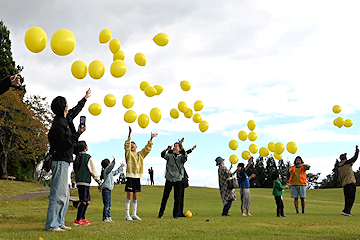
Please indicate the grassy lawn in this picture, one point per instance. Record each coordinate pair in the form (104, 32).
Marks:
(24, 219)
(13, 188)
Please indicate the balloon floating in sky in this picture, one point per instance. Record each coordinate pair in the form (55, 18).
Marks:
(251, 125)
(337, 109)
(63, 42)
(150, 91)
(140, 59)
(158, 88)
(234, 159)
(174, 113)
(130, 116)
(197, 117)
(198, 105)
(96, 69)
(279, 148)
(35, 39)
(79, 69)
(348, 123)
(291, 147)
(155, 115)
(339, 122)
(105, 36)
(233, 144)
(114, 45)
(264, 152)
(110, 100)
(143, 85)
(128, 101)
(271, 146)
(252, 136)
(203, 126)
(182, 106)
(253, 148)
(161, 39)
(246, 155)
(95, 109)
(185, 85)
(188, 113)
(143, 120)
(119, 55)
(242, 135)
(278, 156)
(118, 68)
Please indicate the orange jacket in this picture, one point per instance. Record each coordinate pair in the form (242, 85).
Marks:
(301, 172)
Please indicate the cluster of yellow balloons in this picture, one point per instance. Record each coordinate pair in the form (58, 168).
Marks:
(62, 42)
(340, 121)
(149, 90)
(95, 108)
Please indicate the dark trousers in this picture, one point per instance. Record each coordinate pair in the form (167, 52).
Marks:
(106, 196)
(349, 192)
(177, 192)
(182, 194)
(279, 206)
(227, 207)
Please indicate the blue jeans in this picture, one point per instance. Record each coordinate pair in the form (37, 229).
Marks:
(59, 195)
(106, 196)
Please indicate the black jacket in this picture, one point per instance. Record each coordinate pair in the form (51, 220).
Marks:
(63, 136)
(5, 84)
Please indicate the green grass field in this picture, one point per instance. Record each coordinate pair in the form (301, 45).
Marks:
(24, 219)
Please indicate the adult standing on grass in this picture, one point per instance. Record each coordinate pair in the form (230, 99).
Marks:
(227, 196)
(298, 182)
(63, 138)
(348, 180)
(134, 171)
(175, 160)
(244, 183)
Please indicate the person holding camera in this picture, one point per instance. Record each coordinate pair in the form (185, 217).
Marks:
(7, 82)
(63, 138)
(348, 180)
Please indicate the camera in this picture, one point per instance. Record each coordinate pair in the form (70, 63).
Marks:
(82, 121)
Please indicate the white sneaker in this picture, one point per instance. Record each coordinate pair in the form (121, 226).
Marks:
(106, 220)
(109, 218)
(58, 229)
(136, 217)
(249, 214)
(128, 218)
(243, 214)
(65, 227)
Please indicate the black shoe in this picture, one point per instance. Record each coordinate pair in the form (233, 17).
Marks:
(160, 215)
(181, 215)
(175, 217)
(225, 215)
(283, 216)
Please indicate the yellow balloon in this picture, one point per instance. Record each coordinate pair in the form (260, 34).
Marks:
(174, 113)
(63, 42)
(279, 148)
(110, 100)
(130, 116)
(161, 39)
(188, 214)
(252, 136)
(245, 155)
(119, 55)
(233, 144)
(118, 68)
(188, 113)
(114, 45)
(203, 126)
(105, 36)
(35, 39)
(143, 120)
(155, 115)
(95, 109)
(140, 59)
(264, 152)
(291, 147)
(340, 122)
(128, 101)
(336, 109)
(242, 135)
(234, 159)
(150, 91)
(79, 69)
(158, 88)
(278, 156)
(198, 105)
(197, 117)
(251, 125)
(143, 85)
(182, 106)
(271, 146)
(348, 123)
(96, 69)
(185, 85)
(253, 148)
(335, 122)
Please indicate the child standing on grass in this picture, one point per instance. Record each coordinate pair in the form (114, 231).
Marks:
(108, 185)
(278, 193)
(84, 168)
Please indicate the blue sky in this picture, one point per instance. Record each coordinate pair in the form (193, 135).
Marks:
(284, 64)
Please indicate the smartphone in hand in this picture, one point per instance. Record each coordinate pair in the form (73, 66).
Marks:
(82, 121)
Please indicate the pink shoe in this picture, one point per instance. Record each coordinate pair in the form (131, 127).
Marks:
(80, 222)
(85, 221)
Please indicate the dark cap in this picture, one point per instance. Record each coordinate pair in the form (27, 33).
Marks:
(343, 156)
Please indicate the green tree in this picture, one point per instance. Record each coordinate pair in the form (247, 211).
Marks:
(259, 181)
(283, 169)
(332, 180)
(269, 169)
